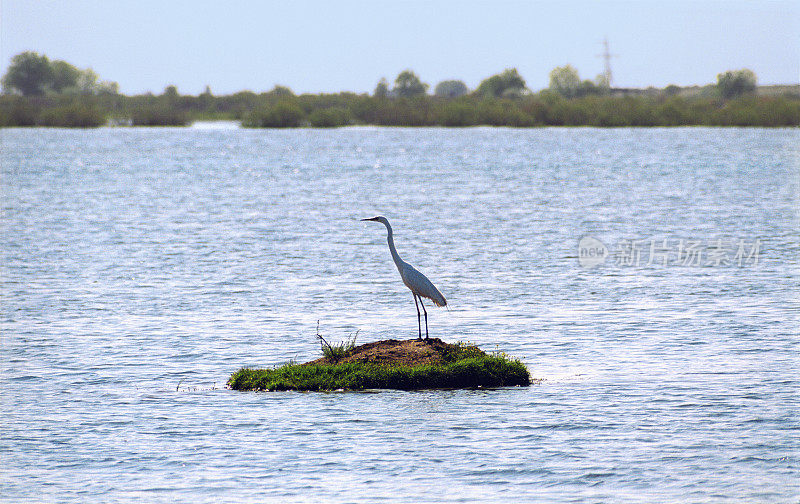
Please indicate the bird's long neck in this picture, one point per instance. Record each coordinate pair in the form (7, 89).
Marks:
(390, 238)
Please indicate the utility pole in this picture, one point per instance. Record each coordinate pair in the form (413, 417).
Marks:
(607, 60)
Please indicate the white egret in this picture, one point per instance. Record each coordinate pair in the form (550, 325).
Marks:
(418, 283)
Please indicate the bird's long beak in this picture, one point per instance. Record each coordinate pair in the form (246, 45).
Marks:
(372, 219)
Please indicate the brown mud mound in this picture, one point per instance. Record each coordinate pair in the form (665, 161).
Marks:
(411, 352)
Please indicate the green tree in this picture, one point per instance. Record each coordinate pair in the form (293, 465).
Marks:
(506, 84)
(602, 83)
(280, 92)
(736, 83)
(205, 99)
(588, 87)
(457, 113)
(330, 117)
(284, 114)
(408, 85)
(75, 115)
(107, 87)
(65, 76)
(382, 89)
(171, 92)
(565, 81)
(87, 82)
(450, 89)
(29, 74)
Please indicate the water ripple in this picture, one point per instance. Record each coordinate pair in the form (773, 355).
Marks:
(134, 282)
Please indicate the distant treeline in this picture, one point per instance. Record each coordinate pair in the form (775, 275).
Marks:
(500, 100)
(332, 110)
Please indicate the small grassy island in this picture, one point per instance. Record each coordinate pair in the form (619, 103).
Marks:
(390, 364)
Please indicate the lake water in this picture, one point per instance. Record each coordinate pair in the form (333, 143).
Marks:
(141, 267)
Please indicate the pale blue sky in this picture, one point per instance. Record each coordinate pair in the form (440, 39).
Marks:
(332, 46)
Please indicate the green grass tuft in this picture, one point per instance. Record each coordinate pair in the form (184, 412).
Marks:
(466, 367)
(337, 351)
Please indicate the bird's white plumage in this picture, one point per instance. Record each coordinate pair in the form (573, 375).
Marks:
(413, 279)
(420, 285)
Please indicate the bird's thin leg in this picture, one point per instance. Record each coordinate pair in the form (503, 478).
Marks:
(419, 322)
(426, 317)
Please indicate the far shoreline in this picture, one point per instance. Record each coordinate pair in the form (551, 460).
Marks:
(355, 127)
(280, 109)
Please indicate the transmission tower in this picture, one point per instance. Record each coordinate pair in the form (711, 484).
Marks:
(607, 60)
